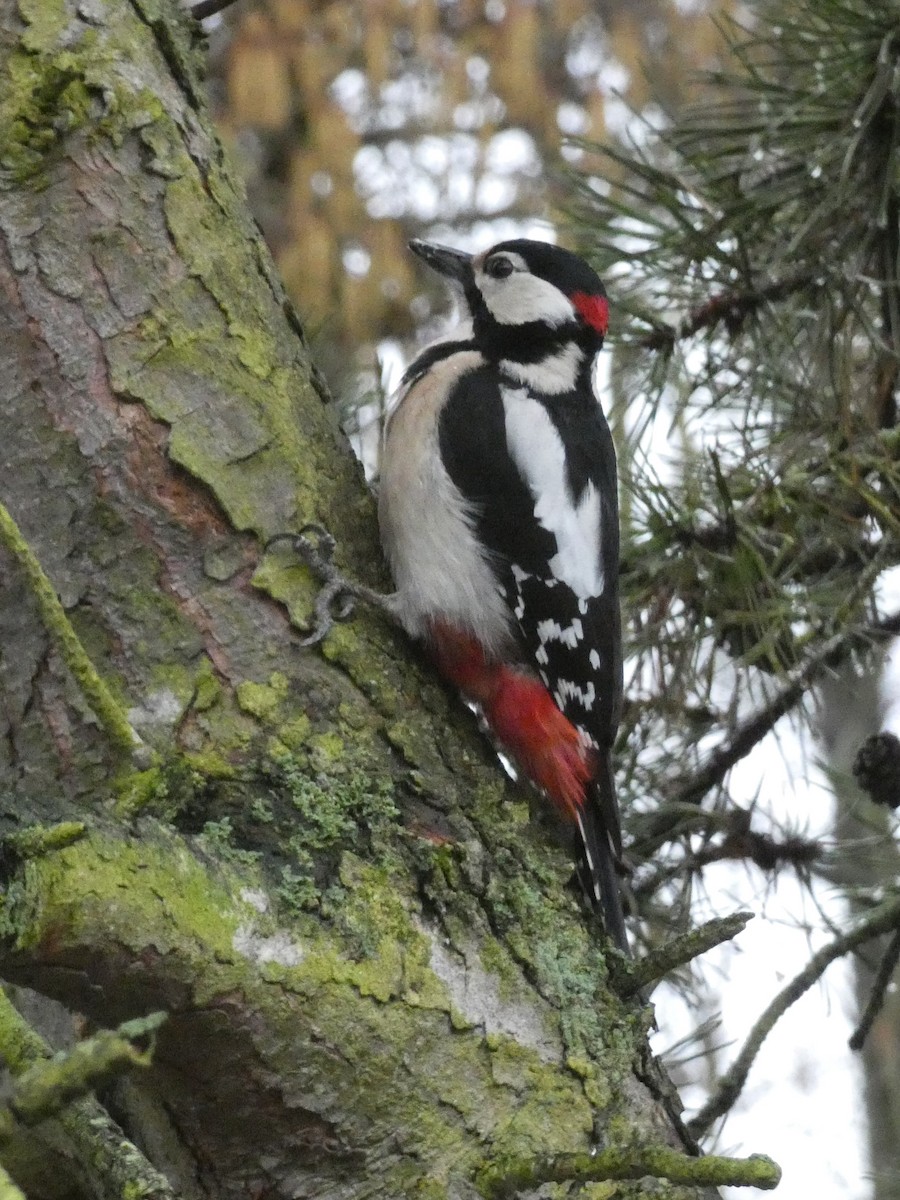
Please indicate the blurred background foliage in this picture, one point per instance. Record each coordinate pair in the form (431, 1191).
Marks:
(752, 247)
(360, 125)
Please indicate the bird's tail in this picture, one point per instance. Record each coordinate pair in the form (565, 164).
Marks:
(580, 780)
(551, 752)
(598, 825)
(548, 747)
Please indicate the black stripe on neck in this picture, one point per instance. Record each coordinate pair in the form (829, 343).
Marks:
(431, 355)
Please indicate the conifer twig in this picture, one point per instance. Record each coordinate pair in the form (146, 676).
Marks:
(730, 309)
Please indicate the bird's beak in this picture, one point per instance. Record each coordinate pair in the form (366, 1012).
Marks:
(453, 264)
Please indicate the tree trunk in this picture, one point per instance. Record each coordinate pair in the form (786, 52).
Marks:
(852, 710)
(377, 978)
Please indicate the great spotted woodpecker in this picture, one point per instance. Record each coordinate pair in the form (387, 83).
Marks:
(499, 518)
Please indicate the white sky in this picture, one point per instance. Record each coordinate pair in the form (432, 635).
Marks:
(802, 1102)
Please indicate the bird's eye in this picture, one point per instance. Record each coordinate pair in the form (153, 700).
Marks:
(498, 268)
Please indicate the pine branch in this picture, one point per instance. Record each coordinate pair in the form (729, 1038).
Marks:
(730, 309)
(739, 844)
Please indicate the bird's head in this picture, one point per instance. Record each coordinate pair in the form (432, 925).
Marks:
(524, 291)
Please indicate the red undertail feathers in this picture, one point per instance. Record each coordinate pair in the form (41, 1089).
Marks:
(522, 716)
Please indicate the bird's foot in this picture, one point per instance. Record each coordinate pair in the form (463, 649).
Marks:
(338, 595)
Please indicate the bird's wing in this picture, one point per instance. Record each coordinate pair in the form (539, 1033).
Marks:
(547, 510)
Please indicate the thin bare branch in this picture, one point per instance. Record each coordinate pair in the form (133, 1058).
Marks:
(633, 977)
(886, 970)
(751, 731)
(883, 919)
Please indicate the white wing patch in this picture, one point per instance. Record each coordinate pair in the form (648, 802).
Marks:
(552, 631)
(537, 450)
(566, 690)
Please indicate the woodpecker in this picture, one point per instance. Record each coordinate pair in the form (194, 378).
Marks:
(498, 511)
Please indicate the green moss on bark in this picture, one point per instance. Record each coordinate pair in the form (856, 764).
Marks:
(57, 624)
(219, 939)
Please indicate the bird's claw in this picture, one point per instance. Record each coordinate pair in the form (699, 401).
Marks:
(318, 554)
(314, 545)
(333, 592)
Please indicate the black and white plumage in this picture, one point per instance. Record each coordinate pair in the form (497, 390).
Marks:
(499, 516)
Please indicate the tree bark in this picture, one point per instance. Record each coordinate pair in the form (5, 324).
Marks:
(376, 977)
(852, 709)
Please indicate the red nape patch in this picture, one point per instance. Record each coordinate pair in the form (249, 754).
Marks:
(594, 309)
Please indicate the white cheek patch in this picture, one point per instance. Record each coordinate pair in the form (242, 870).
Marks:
(537, 450)
(522, 297)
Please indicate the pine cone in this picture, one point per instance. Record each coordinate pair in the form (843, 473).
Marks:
(877, 768)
